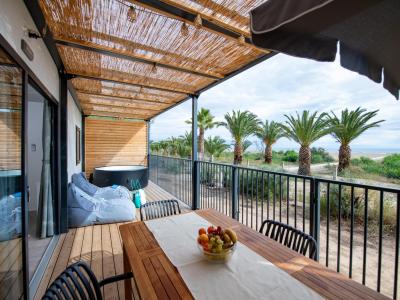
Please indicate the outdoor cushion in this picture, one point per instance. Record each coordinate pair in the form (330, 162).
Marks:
(79, 179)
(10, 217)
(84, 210)
(117, 191)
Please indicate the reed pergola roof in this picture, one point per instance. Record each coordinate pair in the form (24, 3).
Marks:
(139, 68)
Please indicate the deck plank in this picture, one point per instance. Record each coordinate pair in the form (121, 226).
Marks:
(100, 246)
(110, 290)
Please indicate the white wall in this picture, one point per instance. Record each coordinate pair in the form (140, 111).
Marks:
(35, 125)
(14, 18)
(74, 119)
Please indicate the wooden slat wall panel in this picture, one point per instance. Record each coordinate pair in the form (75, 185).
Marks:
(114, 142)
(10, 140)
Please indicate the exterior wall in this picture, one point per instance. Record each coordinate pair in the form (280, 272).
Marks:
(14, 20)
(74, 119)
(112, 142)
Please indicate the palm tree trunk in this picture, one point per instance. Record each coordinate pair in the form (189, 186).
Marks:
(200, 146)
(344, 157)
(237, 152)
(304, 161)
(268, 154)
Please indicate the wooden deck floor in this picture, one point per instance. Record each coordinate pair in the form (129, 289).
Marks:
(98, 245)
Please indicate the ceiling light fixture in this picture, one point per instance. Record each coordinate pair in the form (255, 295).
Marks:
(132, 16)
(154, 68)
(184, 29)
(198, 22)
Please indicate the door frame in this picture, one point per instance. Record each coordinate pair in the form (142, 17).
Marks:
(29, 77)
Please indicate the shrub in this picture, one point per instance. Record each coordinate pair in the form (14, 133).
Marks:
(320, 155)
(345, 203)
(290, 156)
(391, 166)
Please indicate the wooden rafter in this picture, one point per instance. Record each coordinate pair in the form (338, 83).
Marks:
(114, 115)
(151, 86)
(120, 103)
(125, 110)
(83, 92)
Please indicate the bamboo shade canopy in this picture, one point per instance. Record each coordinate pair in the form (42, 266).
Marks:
(231, 14)
(150, 58)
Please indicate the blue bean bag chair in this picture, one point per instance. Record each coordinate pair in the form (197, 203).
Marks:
(99, 206)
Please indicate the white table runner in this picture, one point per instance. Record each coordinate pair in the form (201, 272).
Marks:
(246, 276)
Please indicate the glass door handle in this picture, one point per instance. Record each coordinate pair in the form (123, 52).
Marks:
(28, 196)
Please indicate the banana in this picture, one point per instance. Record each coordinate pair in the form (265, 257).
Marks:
(231, 234)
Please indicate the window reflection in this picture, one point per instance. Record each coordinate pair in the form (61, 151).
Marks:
(10, 178)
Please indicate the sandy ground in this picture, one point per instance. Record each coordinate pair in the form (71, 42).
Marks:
(253, 211)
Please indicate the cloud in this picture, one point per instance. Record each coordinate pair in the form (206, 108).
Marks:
(284, 85)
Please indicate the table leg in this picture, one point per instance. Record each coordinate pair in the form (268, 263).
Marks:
(128, 282)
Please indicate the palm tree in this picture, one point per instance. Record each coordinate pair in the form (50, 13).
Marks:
(241, 125)
(155, 147)
(205, 121)
(164, 145)
(214, 146)
(270, 133)
(348, 127)
(246, 145)
(305, 130)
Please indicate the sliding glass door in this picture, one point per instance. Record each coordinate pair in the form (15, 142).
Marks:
(11, 174)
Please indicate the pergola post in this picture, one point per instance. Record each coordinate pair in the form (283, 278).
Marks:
(195, 164)
(148, 144)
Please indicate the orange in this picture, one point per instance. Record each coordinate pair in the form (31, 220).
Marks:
(202, 231)
(203, 239)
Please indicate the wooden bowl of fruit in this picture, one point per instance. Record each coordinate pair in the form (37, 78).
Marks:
(217, 244)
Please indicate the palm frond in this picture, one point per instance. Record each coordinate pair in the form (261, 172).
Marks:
(306, 128)
(351, 124)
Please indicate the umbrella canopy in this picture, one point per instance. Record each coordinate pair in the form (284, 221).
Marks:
(367, 32)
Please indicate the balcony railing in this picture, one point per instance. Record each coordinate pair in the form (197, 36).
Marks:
(356, 225)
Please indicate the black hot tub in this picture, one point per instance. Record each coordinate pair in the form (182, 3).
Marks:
(120, 175)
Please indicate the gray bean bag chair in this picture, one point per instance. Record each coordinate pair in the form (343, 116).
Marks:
(101, 206)
(117, 191)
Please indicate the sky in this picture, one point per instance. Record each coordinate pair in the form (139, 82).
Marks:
(286, 85)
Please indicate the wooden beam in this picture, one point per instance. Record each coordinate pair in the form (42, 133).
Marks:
(88, 93)
(121, 104)
(110, 51)
(81, 75)
(114, 115)
(117, 109)
(176, 13)
(221, 10)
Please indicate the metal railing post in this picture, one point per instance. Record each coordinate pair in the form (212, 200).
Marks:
(196, 185)
(234, 192)
(315, 209)
(196, 169)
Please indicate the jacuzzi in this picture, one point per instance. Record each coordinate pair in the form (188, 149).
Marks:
(120, 175)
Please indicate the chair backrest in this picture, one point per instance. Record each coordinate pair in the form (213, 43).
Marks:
(291, 237)
(159, 209)
(76, 282)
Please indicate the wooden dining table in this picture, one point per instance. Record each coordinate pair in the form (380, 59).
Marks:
(155, 277)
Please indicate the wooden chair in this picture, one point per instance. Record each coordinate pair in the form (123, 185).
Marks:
(291, 237)
(159, 209)
(79, 282)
